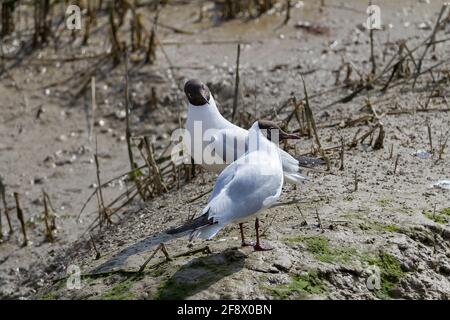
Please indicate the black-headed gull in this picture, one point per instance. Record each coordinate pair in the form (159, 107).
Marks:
(214, 142)
(244, 189)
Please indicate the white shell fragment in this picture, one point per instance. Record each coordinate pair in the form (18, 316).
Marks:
(442, 184)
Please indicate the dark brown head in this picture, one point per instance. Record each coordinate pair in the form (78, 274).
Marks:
(197, 92)
(270, 127)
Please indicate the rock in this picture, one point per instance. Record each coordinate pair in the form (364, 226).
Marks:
(444, 269)
(120, 114)
(100, 123)
(38, 180)
(283, 263)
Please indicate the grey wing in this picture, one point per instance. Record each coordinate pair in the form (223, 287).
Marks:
(244, 194)
(223, 180)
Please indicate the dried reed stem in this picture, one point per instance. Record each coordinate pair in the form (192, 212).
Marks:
(236, 84)
(133, 165)
(21, 219)
(311, 120)
(48, 230)
(5, 205)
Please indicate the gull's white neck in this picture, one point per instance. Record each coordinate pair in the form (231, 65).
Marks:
(258, 142)
(209, 115)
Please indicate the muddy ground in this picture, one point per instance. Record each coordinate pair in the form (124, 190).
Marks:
(389, 237)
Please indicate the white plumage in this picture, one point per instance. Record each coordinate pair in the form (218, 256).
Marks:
(228, 141)
(246, 187)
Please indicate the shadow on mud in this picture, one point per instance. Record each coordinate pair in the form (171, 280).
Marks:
(195, 275)
(118, 260)
(200, 273)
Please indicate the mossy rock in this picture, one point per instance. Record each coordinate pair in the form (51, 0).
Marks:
(390, 273)
(121, 291)
(441, 217)
(446, 212)
(322, 251)
(300, 287)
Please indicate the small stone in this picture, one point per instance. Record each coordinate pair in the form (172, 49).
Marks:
(283, 263)
(100, 123)
(38, 180)
(120, 114)
(424, 26)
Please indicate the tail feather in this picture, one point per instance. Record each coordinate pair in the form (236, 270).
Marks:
(207, 232)
(309, 161)
(192, 225)
(295, 177)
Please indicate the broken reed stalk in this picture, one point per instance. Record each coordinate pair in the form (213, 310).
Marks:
(200, 11)
(91, 196)
(341, 156)
(161, 247)
(396, 164)
(236, 84)
(200, 195)
(133, 165)
(5, 205)
(354, 142)
(297, 114)
(93, 106)
(129, 198)
(150, 55)
(7, 19)
(429, 43)
(288, 12)
(178, 176)
(192, 170)
(157, 178)
(355, 181)
(304, 222)
(442, 144)
(389, 66)
(97, 253)
(310, 119)
(318, 219)
(41, 27)
(379, 142)
(290, 116)
(87, 24)
(372, 54)
(391, 152)
(53, 216)
(134, 33)
(48, 230)
(430, 138)
(205, 250)
(100, 201)
(21, 219)
(153, 103)
(115, 50)
(369, 133)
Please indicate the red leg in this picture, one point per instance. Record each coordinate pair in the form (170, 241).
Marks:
(244, 243)
(258, 246)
